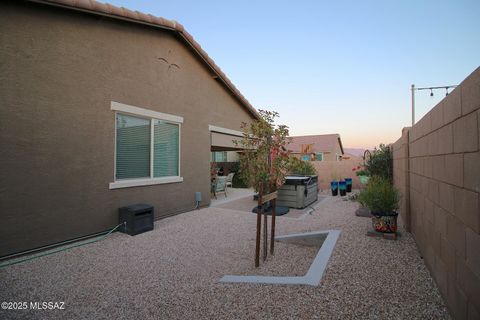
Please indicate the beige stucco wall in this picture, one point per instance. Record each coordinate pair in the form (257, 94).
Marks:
(59, 71)
(339, 170)
(441, 154)
(232, 156)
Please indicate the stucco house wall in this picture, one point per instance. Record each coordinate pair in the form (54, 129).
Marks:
(60, 70)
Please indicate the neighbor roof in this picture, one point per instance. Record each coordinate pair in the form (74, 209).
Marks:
(320, 143)
(106, 9)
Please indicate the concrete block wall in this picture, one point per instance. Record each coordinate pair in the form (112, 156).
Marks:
(400, 176)
(440, 183)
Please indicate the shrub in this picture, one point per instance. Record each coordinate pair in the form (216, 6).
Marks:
(380, 163)
(300, 167)
(238, 181)
(363, 173)
(379, 196)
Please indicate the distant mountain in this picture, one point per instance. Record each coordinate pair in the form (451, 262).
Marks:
(354, 151)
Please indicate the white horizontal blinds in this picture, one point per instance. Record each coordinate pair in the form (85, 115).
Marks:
(133, 147)
(166, 149)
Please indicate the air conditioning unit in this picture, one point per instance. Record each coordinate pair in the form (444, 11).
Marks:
(138, 218)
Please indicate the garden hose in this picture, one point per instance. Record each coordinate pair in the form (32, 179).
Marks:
(10, 263)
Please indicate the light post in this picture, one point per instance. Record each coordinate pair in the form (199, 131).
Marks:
(431, 95)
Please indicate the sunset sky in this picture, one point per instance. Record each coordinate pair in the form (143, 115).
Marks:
(335, 66)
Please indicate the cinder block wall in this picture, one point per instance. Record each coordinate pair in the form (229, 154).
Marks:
(437, 168)
(400, 176)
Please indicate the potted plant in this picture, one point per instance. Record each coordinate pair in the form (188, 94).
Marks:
(382, 199)
(362, 173)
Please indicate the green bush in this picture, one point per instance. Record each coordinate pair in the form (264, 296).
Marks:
(300, 167)
(380, 163)
(237, 181)
(379, 196)
(363, 173)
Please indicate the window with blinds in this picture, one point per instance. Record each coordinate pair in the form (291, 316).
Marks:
(146, 148)
(219, 156)
(165, 150)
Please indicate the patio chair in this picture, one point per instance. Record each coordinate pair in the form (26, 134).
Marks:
(220, 185)
(230, 179)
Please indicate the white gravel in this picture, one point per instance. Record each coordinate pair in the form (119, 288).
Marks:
(173, 272)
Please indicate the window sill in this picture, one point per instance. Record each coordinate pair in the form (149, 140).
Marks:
(143, 182)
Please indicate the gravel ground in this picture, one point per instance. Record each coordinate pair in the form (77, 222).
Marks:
(173, 272)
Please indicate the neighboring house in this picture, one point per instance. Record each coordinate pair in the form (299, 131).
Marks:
(323, 147)
(102, 107)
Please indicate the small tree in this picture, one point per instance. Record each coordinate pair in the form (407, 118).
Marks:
(264, 164)
(265, 160)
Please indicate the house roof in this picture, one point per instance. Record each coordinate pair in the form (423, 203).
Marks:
(320, 143)
(106, 9)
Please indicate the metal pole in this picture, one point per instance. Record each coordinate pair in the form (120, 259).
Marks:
(259, 226)
(413, 104)
(272, 239)
(265, 235)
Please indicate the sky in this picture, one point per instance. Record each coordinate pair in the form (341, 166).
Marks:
(335, 66)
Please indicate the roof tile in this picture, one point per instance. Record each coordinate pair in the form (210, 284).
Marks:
(86, 4)
(101, 7)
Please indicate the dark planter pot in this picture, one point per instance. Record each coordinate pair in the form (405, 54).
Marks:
(384, 222)
(349, 184)
(334, 187)
(342, 186)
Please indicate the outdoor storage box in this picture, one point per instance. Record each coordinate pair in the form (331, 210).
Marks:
(298, 191)
(138, 218)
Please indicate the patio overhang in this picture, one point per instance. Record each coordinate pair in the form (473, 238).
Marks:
(222, 139)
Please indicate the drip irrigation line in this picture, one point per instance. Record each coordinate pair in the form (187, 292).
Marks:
(11, 263)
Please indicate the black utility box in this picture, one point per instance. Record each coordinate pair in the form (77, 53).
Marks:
(138, 218)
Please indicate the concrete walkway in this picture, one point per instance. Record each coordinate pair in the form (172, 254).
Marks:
(173, 272)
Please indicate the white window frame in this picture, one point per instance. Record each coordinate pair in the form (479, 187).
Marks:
(151, 115)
